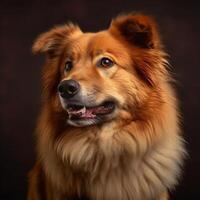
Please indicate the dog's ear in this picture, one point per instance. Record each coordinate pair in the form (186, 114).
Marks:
(50, 42)
(137, 29)
(140, 31)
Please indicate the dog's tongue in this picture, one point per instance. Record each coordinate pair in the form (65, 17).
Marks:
(81, 113)
(86, 112)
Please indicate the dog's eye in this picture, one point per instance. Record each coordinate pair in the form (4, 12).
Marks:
(68, 65)
(106, 62)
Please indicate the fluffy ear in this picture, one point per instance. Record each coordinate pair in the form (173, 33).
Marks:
(137, 29)
(51, 41)
(141, 31)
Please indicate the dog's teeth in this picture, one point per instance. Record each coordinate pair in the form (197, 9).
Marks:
(69, 115)
(83, 110)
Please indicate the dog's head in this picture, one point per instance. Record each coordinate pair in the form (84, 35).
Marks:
(98, 77)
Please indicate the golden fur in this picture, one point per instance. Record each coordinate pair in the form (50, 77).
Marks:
(135, 155)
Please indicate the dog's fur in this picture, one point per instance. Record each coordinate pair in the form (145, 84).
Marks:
(137, 153)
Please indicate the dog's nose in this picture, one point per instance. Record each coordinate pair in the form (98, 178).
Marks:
(68, 88)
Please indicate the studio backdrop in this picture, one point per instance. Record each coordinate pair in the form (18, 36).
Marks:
(20, 72)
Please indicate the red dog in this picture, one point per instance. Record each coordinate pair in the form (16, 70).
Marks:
(109, 127)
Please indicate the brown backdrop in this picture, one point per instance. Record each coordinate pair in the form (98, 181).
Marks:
(22, 21)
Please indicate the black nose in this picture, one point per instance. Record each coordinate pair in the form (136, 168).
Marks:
(68, 88)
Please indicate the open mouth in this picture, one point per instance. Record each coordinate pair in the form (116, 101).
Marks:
(82, 112)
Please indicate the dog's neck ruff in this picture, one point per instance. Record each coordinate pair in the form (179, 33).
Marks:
(112, 166)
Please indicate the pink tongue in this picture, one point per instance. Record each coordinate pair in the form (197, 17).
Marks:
(87, 112)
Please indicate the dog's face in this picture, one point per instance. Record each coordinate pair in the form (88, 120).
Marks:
(97, 77)
(91, 84)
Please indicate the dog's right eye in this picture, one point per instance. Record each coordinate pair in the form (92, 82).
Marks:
(106, 62)
(68, 66)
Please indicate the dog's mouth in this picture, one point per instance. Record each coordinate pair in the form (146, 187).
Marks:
(82, 112)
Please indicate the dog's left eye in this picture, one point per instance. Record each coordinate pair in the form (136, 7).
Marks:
(106, 62)
(68, 65)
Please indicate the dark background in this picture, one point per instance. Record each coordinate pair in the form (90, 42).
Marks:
(22, 21)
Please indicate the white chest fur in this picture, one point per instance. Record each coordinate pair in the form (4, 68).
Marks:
(114, 169)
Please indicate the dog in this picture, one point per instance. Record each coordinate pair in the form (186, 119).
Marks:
(109, 124)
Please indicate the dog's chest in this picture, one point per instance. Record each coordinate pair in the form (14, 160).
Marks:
(137, 177)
